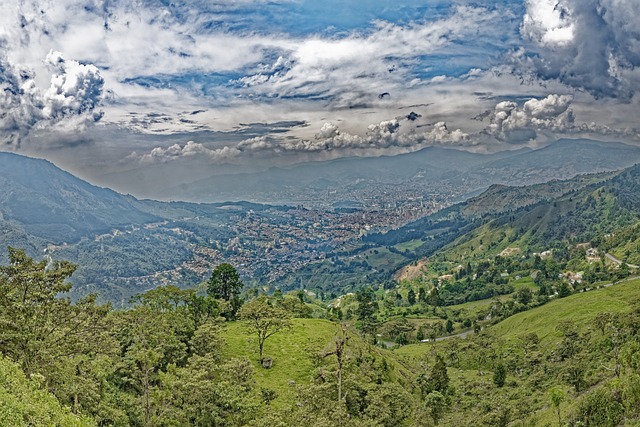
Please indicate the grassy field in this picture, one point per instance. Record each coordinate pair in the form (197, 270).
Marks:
(581, 308)
(411, 245)
(291, 351)
(382, 258)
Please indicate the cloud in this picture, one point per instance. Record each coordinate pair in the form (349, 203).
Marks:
(75, 91)
(389, 134)
(512, 123)
(360, 67)
(509, 122)
(587, 44)
(190, 149)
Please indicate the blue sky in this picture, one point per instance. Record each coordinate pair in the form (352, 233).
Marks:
(101, 86)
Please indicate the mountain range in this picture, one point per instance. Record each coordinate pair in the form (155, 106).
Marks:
(430, 170)
(125, 245)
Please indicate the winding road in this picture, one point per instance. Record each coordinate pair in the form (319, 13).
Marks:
(617, 261)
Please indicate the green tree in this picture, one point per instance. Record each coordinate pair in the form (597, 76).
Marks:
(557, 396)
(524, 296)
(367, 309)
(436, 380)
(436, 404)
(439, 376)
(411, 297)
(150, 342)
(37, 325)
(449, 326)
(500, 375)
(434, 298)
(24, 403)
(225, 284)
(264, 320)
(422, 295)
(340, 344)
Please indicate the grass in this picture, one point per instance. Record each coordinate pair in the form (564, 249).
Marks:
(291, 351)
(580, 308)
(382, 258)
(411, 245)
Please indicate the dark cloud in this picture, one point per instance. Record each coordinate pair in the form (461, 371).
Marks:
(588, 44)
(413, 116)
(75, 92)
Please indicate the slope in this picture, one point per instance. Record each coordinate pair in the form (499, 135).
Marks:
(51, 204)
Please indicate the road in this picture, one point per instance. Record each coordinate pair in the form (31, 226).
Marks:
(617, 261)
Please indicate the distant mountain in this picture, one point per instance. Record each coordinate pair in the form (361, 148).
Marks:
(430, 170)
(562, 159)
(432, 164)
(536, 217)
(48, 203)
(122, 245)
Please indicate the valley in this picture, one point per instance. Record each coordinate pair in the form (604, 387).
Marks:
(343, 237)
(468, 313)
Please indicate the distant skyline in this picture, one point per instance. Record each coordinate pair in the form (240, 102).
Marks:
(208, 87)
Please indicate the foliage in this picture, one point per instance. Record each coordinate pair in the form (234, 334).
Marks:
(264, 320)
(500, 375)
(367, 308)
(225, 284)
(24, 402)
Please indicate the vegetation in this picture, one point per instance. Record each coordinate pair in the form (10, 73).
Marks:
(522, 319)
(264, 320)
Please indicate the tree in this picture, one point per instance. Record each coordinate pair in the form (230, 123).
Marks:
(439, 376)
(437, 380)
(340, 343)
(411, 297)
(500, 375)
(557, 396)
(264, 320)
(524, 296)
(225, 284)
(422, 295)
(25, 403)
(449, 327)
(38, 327)
(436, 404)
(367, 308)
(434, 298)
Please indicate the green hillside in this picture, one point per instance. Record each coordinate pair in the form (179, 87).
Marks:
(581, 308)
(572, 345)
(290, 352)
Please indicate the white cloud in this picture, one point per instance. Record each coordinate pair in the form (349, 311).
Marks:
(587, 44)
(386, 135)
(75, 89)
(517, 124)
(508, 120)
(548, 22)
(359, 67)
(74, 93)
(190, 149)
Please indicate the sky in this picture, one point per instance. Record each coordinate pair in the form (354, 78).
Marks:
(203, 87)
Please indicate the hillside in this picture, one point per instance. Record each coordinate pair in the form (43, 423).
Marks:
(570, 346)
(433, 170)
(172, 359)
(57, 207)
(125, 246)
